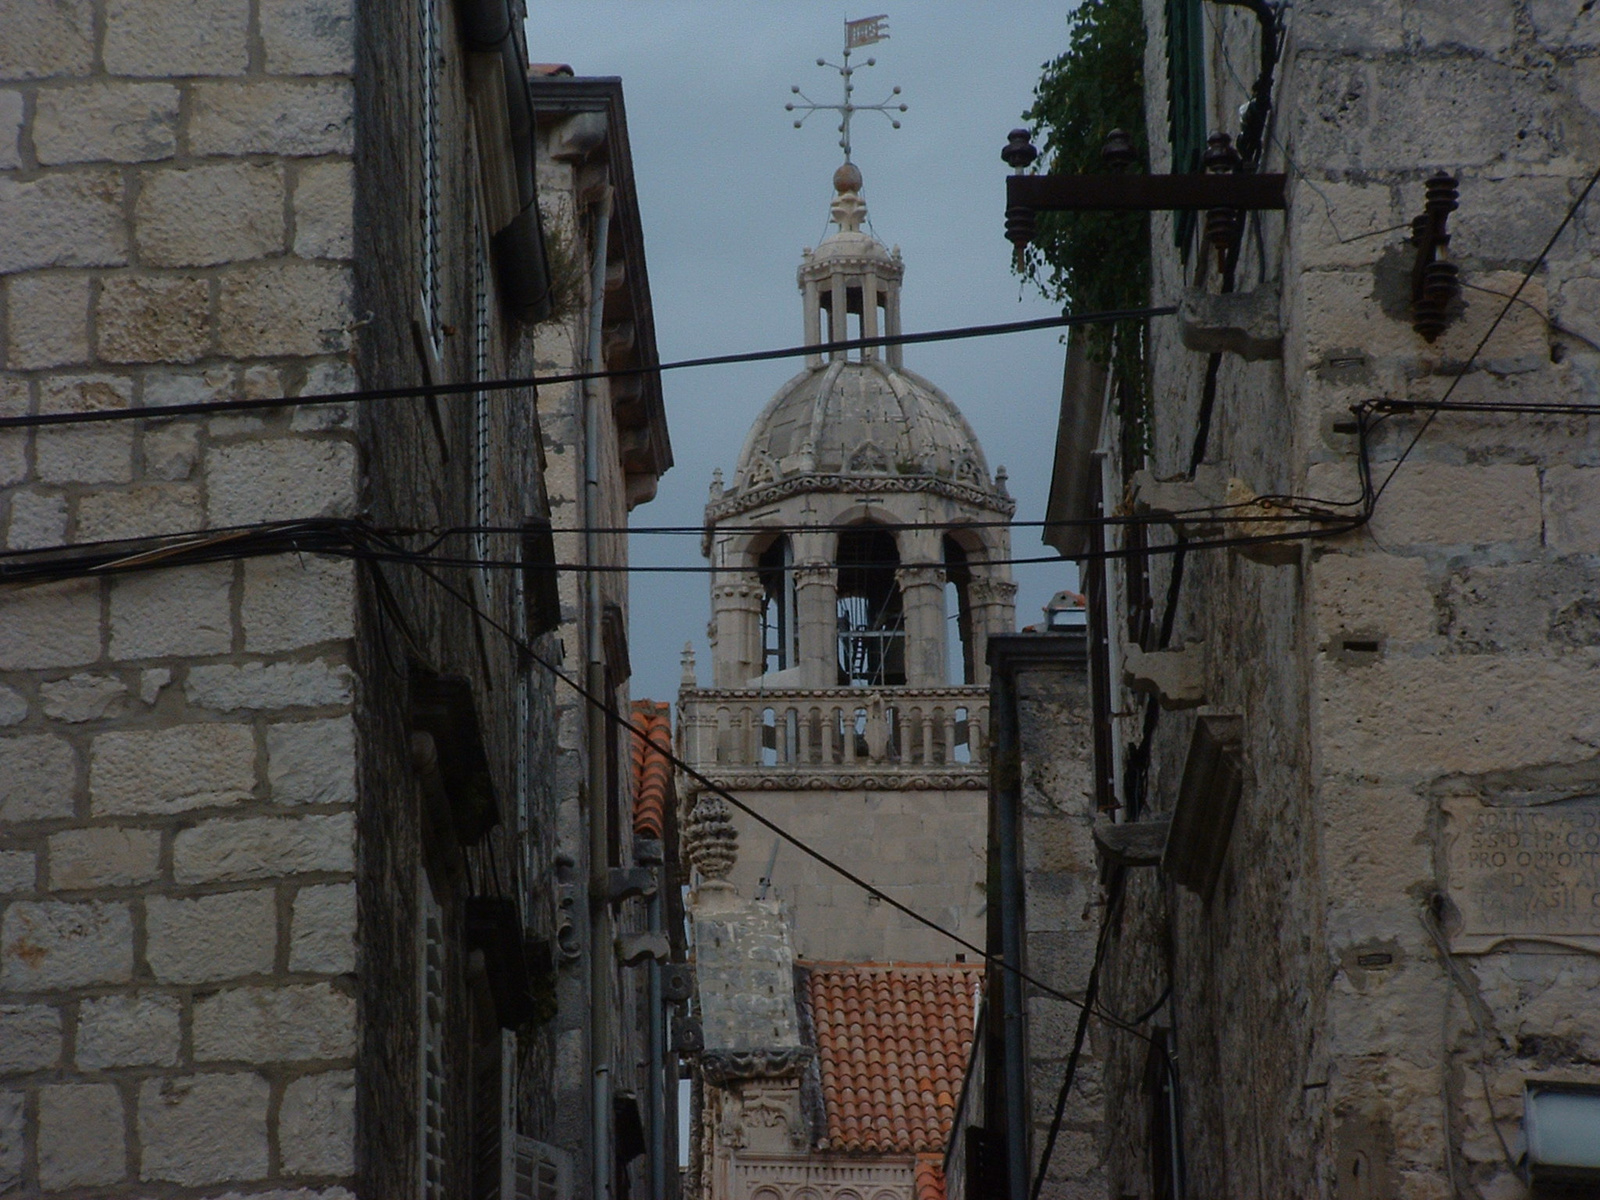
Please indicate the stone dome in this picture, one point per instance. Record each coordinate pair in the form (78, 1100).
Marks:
(870, 419)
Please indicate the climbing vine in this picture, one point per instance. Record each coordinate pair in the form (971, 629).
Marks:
(1090, 261)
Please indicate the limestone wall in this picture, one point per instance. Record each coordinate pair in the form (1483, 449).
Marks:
(1341, 997)
(178, 762)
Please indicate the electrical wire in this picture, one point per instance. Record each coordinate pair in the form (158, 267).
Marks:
(479, 387)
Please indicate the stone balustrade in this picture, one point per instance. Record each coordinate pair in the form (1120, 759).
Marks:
(835, 730)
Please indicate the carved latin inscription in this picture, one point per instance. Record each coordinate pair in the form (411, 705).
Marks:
(1529, 873)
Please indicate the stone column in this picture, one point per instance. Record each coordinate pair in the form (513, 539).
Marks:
(838, 311)
(922, 598)
(736, 612)
(993, 603)
(815, 590)
(813, 315)
(869, 313)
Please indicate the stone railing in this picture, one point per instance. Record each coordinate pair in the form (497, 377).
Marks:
(835, 735)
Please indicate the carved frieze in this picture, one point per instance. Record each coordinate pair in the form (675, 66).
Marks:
(764, 492)
(776, 1062)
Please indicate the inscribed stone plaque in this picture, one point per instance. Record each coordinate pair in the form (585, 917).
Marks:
(1527, 872)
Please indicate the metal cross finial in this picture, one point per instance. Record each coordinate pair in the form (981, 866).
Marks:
(856, 33)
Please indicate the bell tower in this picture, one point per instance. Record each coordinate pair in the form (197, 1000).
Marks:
(860, 562)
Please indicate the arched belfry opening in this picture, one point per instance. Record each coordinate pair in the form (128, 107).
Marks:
(871, 611)
(958, 612)
(780, 623)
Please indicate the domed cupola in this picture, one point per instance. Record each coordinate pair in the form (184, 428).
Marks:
(858, 414)
(861, 526)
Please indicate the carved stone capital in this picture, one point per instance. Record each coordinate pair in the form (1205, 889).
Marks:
(775, 1062)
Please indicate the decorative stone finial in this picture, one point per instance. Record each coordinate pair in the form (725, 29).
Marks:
(687, 679)
(716, 483)
(712, 840)
(849, 210)
(1000, 478)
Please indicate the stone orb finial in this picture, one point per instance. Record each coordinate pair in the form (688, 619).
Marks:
(712, 839)
(847, 178)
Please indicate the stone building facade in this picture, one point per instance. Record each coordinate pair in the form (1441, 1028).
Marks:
(860, 526)
(861, 522)
(280, 830)
(1349, 780)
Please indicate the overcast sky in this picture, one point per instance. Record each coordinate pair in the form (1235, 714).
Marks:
(730, 193)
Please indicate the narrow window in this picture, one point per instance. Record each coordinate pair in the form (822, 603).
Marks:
(872, 650)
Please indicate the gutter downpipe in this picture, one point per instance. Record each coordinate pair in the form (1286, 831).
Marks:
(600, 932)
(1006, 763)
(657, 1097)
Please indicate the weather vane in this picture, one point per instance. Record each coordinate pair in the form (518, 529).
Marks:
(860, 33)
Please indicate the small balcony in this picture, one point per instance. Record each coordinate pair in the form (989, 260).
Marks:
(838, 737)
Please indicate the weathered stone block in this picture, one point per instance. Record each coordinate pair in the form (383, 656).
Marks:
(291, 602)
(54, 625)
(38, 777)
(322, 933)
(62, 220)
(274, 116)
(106, 122)
(171, 770)
(283, 308)
(37, 40)
(48, 315)
(211, 938)
(30, 1037)
(10, 128)
(1422, 718)
(264, 847)
(105, 856)
(164, 385)
(324, 210)
(221, 212)
(317, 1125)
(18, 871)
(1572, 509)
(1373, 592)
(53, 944)
(1423, 505)
(308, 37)
(81, 1141)
(140, 512)
(229, 687)
(1337, 224)
(82, 697)
(280, 480)
(301, 1022)
(199, 1129)
(208, 37)
(145, 318)
(38, 519)
(13, 1131)
(14, 402)
(170, 451)
(129, 1031)
(312, 762)
(13, 706)
(181, 611)
(87, 454)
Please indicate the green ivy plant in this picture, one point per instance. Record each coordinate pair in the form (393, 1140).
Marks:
(1091, 261)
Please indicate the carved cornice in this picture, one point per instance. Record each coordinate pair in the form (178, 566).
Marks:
(733, 503)
(776, 1062)
(951, 777)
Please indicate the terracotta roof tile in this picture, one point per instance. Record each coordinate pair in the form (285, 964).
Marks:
(929, 1180)
(652, 772)
(892, 1045)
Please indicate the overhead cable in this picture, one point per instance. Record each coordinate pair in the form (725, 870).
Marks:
(478, 387)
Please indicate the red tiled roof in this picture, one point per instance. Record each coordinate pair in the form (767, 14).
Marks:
(929, 1180)
(652, 772)
(892, 1042)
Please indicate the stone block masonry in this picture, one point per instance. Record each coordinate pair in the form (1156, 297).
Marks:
(177, 748)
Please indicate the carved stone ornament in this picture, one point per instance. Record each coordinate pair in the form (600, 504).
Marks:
(762, 492)
(732, 1066)
(711, 837)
